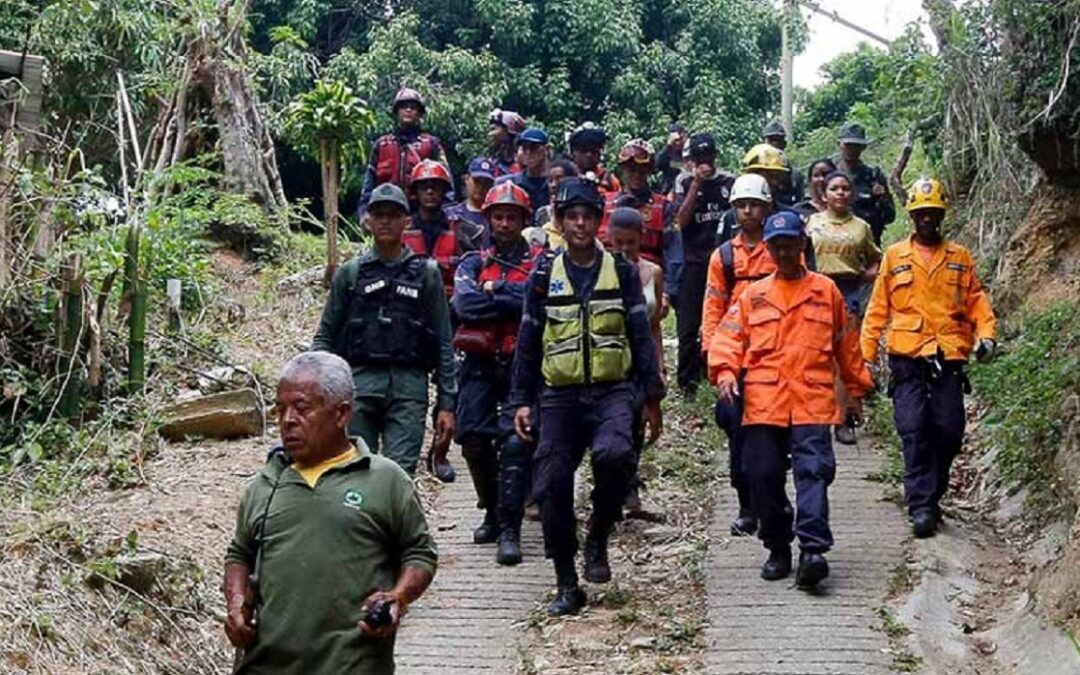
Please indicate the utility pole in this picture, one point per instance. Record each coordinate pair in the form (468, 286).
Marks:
(787, 64)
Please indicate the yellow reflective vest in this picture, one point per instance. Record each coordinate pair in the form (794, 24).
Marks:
(585, 342)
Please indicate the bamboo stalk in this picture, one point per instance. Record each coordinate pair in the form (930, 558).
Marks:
(70, 403)
(137, 340)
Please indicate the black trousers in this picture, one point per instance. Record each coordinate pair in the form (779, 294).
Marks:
(695, 276)
(928, 408)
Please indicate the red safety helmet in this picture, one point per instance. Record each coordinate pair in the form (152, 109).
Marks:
(510, 194)
(509, 120)
(406, 95)
(429, 169)
(638, 151)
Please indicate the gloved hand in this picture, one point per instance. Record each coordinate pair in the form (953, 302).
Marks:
(986, 350)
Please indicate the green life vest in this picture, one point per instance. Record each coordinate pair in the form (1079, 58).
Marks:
(571, 359)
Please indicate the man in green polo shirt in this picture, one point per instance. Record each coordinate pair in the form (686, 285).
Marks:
(326, 531)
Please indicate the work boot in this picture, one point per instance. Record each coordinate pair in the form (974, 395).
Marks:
(597, 570)
(812, 569)
(509, 552)
(569, 598)
(844, 434)
(778, 565)
(488, 531)
(924, 523)
(440, 467)
(745, 525)
(632, 503)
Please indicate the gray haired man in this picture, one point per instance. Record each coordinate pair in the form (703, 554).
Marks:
(331, 542)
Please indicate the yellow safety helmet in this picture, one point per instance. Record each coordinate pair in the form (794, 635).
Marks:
(764, 157)
(927, 193)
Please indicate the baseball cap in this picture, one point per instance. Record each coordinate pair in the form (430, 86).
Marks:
(481, 167)
(783, 224)
(702, 147)
(534, 135)
(388, 193)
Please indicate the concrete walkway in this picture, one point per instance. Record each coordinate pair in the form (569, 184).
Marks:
(464, 623)
(772, 628)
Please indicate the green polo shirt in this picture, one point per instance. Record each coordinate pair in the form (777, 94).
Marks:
(325, 550)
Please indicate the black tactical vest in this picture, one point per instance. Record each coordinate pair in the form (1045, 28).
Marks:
(385, 324)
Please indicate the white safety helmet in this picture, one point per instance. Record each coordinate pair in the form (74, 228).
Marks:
(750, 186)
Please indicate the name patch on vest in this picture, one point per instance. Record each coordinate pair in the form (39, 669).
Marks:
(957, 266)
(373, 286)
(900, 269)
(408, 292)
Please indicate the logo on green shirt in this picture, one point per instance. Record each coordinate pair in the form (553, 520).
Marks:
(353, 499)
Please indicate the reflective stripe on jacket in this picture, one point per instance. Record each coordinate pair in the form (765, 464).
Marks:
(923, 308)
(789, 352)
(585, 339)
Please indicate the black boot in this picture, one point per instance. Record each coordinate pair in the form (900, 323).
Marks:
(778, 565)
(812, 569)
(488, 531)
(479, 455)
(597, 570)
(632, 503)
(745, 524)
(569, 598)
(924, 523)
(509, 552)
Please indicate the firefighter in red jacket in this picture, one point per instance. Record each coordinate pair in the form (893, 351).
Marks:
(488, 299)
(433, 235)
(396, 154)
(637, 161)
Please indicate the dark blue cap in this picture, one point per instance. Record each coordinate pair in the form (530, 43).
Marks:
(481, 167)
(783, 224)
(534, 135)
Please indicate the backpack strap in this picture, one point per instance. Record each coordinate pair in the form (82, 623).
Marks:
(727, 259)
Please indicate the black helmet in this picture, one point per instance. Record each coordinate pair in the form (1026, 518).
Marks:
(577, 190)
(702, 147)
(587, 135)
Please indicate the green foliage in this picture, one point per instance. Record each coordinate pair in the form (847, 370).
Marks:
(329, 113)
(1024, 389)
(879, 422)
(633, 67)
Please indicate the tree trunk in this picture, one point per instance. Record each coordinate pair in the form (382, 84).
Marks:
(328, 152)
(219, 55)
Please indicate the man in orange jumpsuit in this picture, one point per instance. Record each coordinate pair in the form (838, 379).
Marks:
(789, 333)
(937, 312)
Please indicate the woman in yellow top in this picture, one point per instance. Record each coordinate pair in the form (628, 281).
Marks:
(845, 252)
